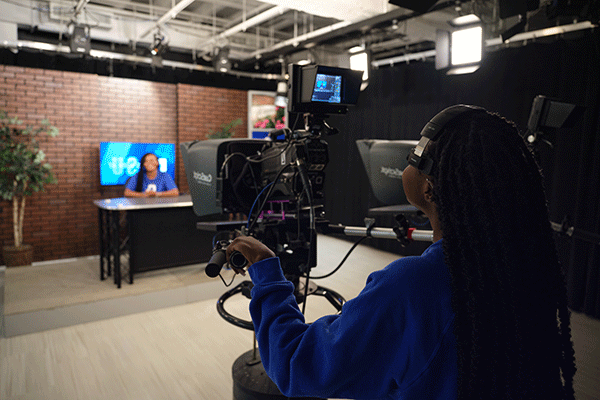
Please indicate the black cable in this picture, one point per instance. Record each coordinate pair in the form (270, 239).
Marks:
(343, 260)
(247, 158)
(305, 291)
(225, 283)
(295, 122)
(262, 206)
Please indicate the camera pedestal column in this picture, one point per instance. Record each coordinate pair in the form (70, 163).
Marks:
(250, 381)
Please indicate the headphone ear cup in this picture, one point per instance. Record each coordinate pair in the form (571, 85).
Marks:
(426, 165)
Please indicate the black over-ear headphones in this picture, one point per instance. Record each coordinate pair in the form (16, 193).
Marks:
(431, 132)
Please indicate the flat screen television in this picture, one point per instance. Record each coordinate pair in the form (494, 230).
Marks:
(121, 160)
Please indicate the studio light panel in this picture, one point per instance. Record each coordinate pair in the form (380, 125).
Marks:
(466, 46)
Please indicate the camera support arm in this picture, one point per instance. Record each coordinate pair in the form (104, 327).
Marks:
(411, 234)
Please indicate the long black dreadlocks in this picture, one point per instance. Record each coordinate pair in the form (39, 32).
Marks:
(508, 292)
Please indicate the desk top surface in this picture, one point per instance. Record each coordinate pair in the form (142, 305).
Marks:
(143, 203)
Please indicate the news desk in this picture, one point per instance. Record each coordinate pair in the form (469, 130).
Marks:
(155, 232)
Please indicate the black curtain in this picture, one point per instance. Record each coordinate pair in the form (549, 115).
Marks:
(401, 99)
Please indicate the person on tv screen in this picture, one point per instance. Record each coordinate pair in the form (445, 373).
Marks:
(149, 181)
(481, 314)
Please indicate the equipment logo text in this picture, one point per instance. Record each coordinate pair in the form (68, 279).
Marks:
(202, 178)
(394, 173)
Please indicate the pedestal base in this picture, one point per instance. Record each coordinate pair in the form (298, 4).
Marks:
(250, 381)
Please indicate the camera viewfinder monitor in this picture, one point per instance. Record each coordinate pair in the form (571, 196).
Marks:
(322, 90)
(328, 89)
(121, 160)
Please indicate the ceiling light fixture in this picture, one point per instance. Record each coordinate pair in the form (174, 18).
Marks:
(158, 45)
(459, 50)
(464, 20)
(221, 61)
(80, 41)
(466, 46)
(356, 49)
(360, 62)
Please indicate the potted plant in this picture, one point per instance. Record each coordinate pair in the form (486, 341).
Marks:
(226, 130)
(22, 172)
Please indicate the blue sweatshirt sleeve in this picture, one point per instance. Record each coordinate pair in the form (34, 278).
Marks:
(132, 182)
(334, 356)
(168, 182)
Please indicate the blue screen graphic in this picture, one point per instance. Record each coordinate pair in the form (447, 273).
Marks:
(120, 160)
(328, 88)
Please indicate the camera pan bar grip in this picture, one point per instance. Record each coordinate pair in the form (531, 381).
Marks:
(219, 258)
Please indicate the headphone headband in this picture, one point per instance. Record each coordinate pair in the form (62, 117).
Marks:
(431, 131)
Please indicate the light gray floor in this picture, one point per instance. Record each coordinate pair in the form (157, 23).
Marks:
(2, 273)
(162, 338)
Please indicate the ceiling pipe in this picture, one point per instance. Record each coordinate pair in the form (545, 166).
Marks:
(257, 19)
(295, 41)
(342, 28)
(79, 7)
(169, 15)
(109, 55)
(522, 37)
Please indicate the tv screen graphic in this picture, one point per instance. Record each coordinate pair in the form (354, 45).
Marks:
(328, 88)
(121, 160)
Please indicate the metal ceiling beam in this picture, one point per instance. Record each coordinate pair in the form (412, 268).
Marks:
(172, 13)
(522, 37)
(79, 7)
(258, 19)
(239, 16)
(109, 55)
(338, 30)
(330, 31)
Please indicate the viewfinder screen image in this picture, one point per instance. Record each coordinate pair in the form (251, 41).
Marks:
(120, 160)
(328, 88)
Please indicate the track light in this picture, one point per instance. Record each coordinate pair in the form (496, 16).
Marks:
(159, 45)
(221, 60)
(80, 39)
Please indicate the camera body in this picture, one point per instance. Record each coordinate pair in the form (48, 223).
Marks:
(227, 175)
(277, 183)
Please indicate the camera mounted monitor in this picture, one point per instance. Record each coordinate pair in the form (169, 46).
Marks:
(548, 113)
(322, 90)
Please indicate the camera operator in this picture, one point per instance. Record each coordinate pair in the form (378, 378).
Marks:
(475, 316)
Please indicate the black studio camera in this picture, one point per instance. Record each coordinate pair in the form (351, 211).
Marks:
(277, 184)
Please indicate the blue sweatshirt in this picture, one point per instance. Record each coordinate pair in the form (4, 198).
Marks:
(394, 340)
(162, 183)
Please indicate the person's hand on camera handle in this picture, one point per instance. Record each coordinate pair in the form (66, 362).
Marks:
(252, 249)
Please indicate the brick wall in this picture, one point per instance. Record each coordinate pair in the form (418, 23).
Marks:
(88, 109)
(204, 109)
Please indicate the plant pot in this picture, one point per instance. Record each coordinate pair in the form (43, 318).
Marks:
(18, 256)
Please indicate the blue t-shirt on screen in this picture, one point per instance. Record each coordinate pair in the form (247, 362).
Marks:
(162, 183)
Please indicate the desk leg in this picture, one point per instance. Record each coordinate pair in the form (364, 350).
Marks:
(115, 236)
(108, 242)
(103, 251)
(130, 226)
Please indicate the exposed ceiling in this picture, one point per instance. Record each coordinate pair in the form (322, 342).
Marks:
(260, 36)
